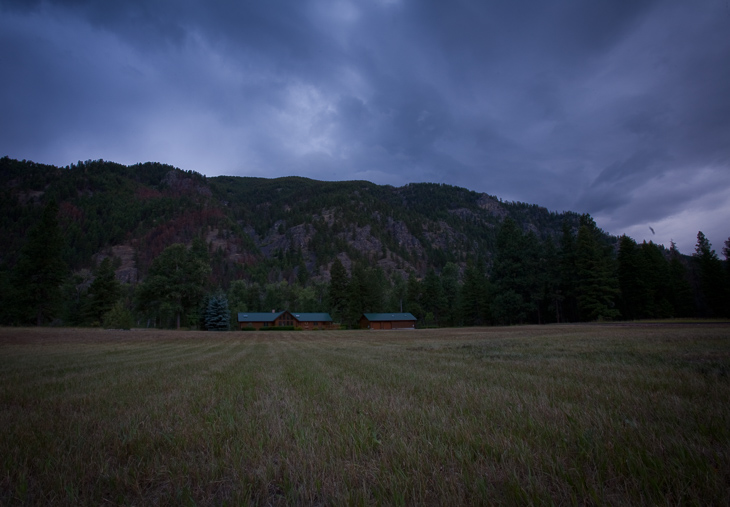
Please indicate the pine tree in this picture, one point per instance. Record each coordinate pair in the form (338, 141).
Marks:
(726, 253)
(175, 285)
(217, 314)
(450, 291)
(655, 278)
(356, 295)
(513, 275)
(629, 279)
(597, 288)
(432, 298)
(8, 299)
(203, 311)
(712, 278)
(679, 289)
(475, 295)
(568, 270)
(40, 270)
(413, 296)
(119, 317)
(338, 290)
(551, 297)
(397, 294)
(103, 293)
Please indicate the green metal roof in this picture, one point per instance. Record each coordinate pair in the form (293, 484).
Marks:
(312, 317)
(271, 317)
(258, 317)
(381, 317)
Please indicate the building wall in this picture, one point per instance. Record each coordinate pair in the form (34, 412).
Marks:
(258, 325)
(286, 319)
(387, 324)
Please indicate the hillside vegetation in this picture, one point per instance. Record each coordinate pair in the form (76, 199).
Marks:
(449, 255)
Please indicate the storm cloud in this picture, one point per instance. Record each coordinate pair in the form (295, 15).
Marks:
(618, 109)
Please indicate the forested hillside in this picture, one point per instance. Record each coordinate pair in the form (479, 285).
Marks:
(126, 235)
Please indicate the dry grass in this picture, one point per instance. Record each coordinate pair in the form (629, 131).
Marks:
(553, 414)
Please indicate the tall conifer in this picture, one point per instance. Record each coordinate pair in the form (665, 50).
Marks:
(597, 289)
(679, 291)
(338, 290)
(40, 270)
(712, 278)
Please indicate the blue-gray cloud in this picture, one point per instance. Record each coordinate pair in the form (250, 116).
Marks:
(602, 107)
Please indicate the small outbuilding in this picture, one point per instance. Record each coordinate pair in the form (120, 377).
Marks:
(387, 321)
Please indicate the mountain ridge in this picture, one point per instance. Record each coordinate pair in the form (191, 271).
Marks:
(259, 228)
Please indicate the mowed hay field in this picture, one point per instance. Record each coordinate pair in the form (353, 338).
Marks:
(575, 414)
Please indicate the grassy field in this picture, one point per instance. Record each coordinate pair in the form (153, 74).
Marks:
(612, 414)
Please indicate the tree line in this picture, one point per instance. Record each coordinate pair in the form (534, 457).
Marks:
(583, 276)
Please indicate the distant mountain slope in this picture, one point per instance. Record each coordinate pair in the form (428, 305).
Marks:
(263, 229)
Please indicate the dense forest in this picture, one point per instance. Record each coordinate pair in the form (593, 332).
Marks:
(103, 244)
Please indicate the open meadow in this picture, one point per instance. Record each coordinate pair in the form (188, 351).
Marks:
(566, 414)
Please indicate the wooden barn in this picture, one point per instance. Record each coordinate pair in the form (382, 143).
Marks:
(257, 320)
(387, 321)
(312, 320)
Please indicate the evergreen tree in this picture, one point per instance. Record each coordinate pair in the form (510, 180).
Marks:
(597, 288)
(655, 279)
(356, 295)
(726, 253)
(643, 274)
(413, 297)
(338, 290)
(119, 317)
(253, 298)
(679, 289)
(237, 293)
(40, 270)
(103, 293)
(365, 292)
(712, 278)
(176, 283)
(75, 289)
(475, 295)
(217, 314)
(568, 289)
(8, 300)
(450, 291)
(432, 298)
(397, 294)
(629, 279)
(551, 297)
(203, 311)
(302, 273)
(513, 275)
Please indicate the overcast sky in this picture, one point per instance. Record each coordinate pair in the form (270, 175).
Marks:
(616, 108)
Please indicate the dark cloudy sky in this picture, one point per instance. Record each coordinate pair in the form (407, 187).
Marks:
(614, 107)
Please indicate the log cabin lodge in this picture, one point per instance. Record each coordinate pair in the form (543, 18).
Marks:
(387, 321)
(258, 320)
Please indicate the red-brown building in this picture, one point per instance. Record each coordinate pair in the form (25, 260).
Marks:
(313, 320)
(387, 321)
(257, 320)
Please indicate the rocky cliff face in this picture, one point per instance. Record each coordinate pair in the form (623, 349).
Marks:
(274, 226)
